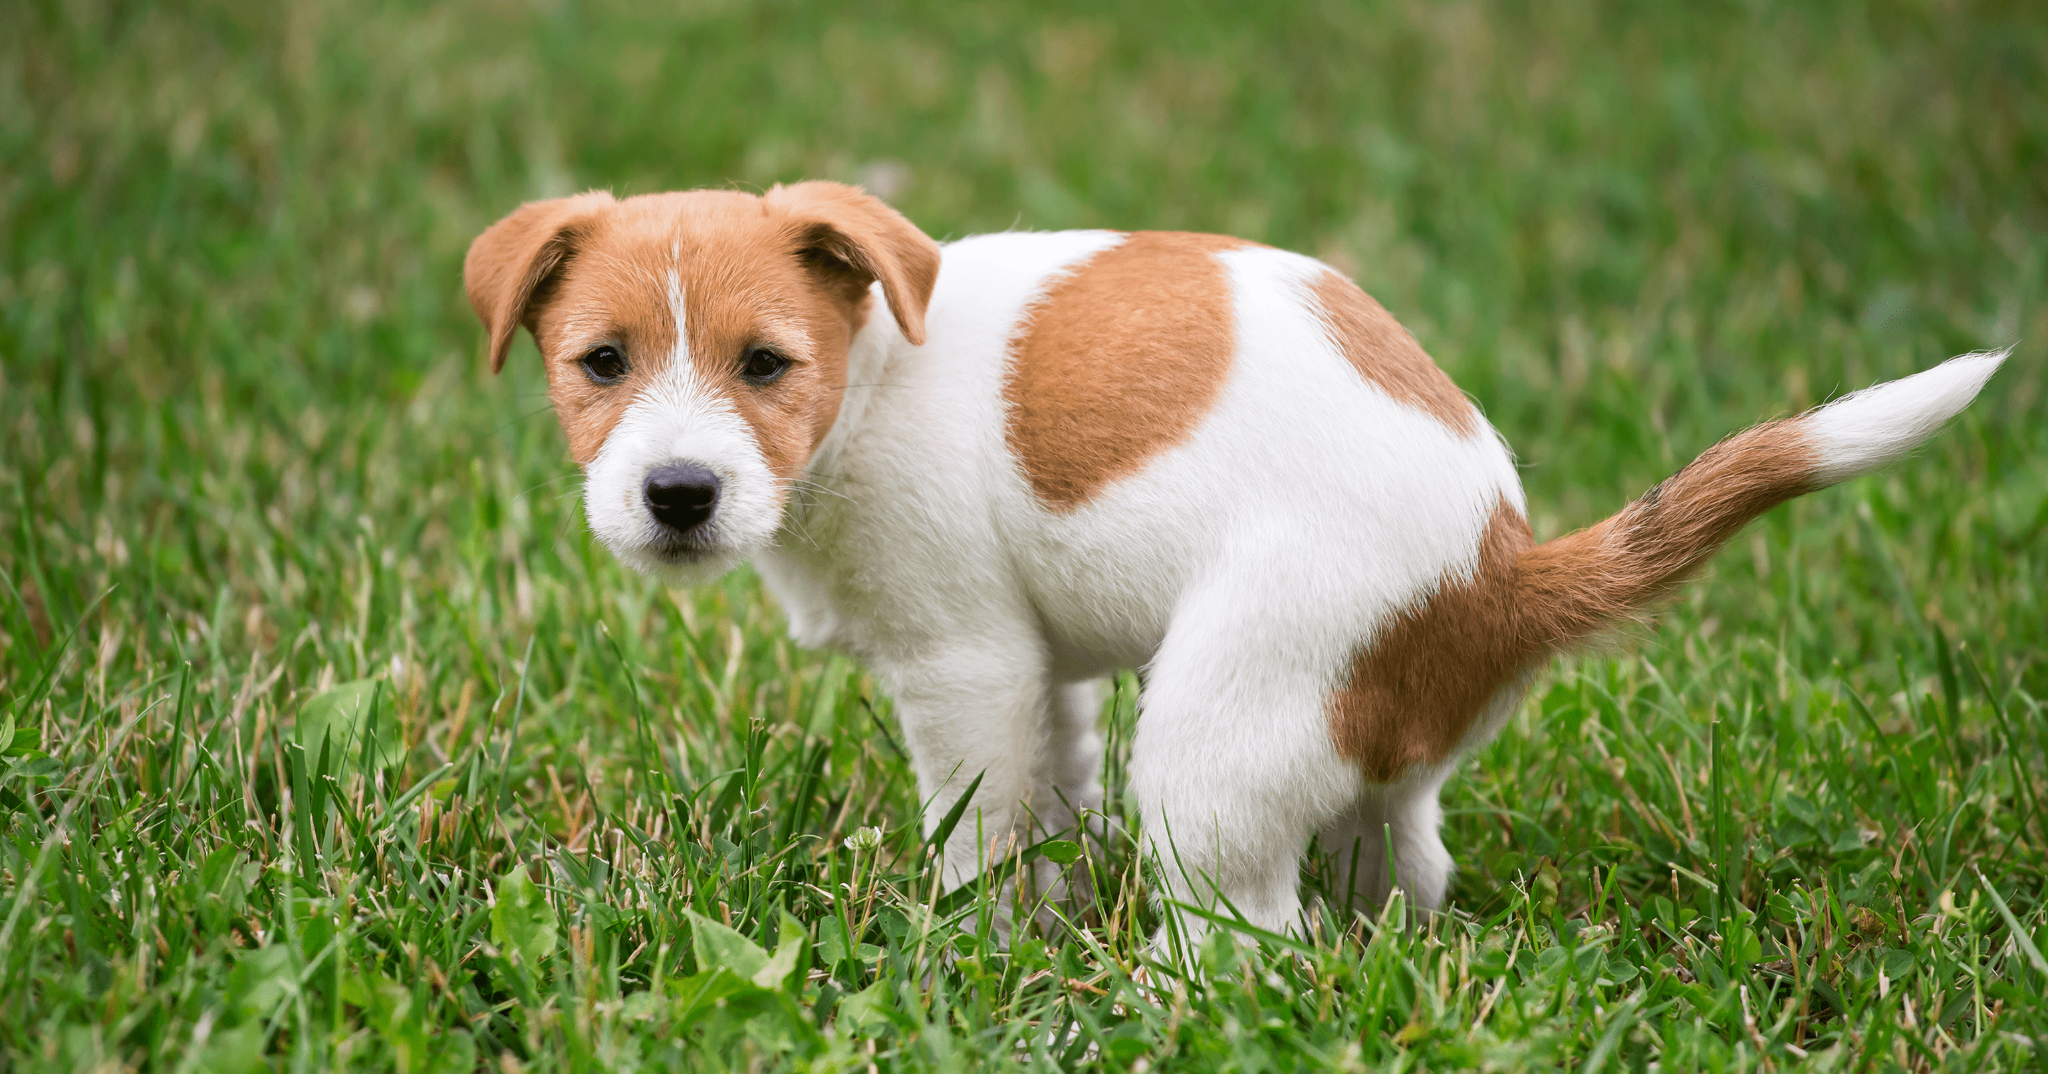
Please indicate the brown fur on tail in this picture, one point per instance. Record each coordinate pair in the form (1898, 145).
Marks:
(1577, 585)
(1416, 690)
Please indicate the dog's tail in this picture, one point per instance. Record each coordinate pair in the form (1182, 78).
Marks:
(1579, 584)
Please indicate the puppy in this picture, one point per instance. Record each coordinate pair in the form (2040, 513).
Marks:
(1000, 469)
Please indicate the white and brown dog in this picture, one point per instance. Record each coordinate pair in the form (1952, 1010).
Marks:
(1000, 469)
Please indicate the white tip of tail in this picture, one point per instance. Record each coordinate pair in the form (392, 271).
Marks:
(1864, 430)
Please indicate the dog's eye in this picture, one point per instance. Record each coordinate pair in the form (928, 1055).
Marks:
(605, 365)
(763, 366)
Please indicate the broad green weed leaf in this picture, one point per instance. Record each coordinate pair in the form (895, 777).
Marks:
(261, 980)
(343, 715)
(21, 760)
(19, 741)
(234, 1051)
(832, 943)
(1062, 851)
(642, 1007)
(392, 1012)
(868, 1009)
(778, 968)
(718, 945)
(522, 922)
(790, 945)
(699, 994)
(454, 1052)
(1744, 948)
(222, 887)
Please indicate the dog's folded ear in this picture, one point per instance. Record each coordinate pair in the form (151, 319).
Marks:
(854, 239)
(516, 255)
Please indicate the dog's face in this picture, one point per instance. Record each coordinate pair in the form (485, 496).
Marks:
(696, 347)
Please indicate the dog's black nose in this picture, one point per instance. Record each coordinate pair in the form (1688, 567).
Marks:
(681, 495)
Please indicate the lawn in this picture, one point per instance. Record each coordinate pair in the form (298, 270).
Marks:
(257, 485)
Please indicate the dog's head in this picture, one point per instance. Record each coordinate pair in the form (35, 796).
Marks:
(696, 347)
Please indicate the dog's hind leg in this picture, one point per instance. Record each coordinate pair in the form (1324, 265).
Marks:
(1067, 803)
(1360, 872)
(1070, 769)
(1233, 763)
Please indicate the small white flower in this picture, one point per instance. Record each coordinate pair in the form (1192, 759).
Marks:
(864, 839)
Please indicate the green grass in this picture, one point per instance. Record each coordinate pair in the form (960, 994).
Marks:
(249, 455)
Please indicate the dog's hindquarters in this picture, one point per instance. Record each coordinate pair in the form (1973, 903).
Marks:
(1439, 678)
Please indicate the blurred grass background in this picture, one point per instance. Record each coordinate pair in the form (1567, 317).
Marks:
(248, 451)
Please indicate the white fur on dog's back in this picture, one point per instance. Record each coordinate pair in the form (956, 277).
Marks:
(1860, 432)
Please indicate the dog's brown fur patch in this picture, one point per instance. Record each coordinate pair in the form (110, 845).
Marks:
(1414, 691)
(1387, 356)
(1413, 694)
(1118, 361)
(516, 256)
